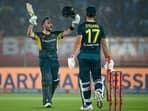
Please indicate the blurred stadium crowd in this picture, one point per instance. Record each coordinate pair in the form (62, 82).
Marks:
(120, 17)
(125, 22)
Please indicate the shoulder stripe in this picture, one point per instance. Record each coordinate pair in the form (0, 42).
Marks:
(38, 41)
(60, 36)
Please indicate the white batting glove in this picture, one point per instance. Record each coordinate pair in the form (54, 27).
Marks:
(71, 62)
(109, 65)
(33, 20)
(76, 20)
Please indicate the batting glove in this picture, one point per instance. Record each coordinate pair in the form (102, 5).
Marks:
(33, 20)
(76, 20)
(109, 64)
(71, 62)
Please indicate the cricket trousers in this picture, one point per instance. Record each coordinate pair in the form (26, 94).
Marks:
(89, 67)
(49, 70)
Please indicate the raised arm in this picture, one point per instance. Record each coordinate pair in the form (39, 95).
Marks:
(67, 32)
(30, 32)
(75, 22)
(32, 19)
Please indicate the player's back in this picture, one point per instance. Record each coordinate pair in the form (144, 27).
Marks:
(91, 36)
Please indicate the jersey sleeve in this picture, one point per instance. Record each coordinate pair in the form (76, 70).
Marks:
(79, 30)
(102, 33)
(36, 35)
(59, 34)
(38, 39)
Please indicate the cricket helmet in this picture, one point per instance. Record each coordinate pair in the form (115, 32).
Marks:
(68, 11)
(91, 11)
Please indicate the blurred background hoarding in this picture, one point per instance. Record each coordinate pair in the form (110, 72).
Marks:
(126, 52)
(125, 23)
(23, 79)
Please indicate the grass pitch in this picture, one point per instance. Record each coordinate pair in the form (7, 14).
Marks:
(65, 102)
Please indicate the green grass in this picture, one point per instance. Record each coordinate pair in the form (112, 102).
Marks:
(64, 102)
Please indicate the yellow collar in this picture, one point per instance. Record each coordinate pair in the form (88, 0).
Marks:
(90, 20)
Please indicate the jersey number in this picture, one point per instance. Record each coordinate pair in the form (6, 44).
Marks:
(89, 35)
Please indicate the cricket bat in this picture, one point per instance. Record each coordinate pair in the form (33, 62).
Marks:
(107, 81)
(107, 85)
(29, 9)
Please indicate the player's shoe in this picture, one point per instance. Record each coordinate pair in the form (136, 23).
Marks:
(86, 108)
(99, 99)
(47, 105)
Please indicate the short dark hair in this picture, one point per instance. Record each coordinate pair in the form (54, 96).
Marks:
(91, 11)
(43, 21)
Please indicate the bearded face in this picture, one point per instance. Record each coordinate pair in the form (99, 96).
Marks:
(48, 25)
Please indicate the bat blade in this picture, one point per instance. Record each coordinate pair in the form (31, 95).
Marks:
(29, 9)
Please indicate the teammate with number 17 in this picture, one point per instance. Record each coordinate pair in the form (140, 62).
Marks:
(89, 41)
